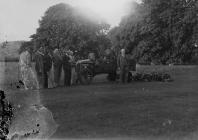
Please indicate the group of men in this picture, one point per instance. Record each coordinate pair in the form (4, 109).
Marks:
(49, 65)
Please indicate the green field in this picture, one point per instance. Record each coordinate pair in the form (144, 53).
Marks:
(139, 110)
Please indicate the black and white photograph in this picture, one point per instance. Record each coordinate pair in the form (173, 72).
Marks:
(98, 69)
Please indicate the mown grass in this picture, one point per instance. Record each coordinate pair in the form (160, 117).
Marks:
(138, 109)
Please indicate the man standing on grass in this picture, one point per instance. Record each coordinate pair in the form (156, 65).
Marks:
(42, 66)
(66, 69)
(47, 64)
(123, 66)
(57, 66)
(39, 56)
(73, 69)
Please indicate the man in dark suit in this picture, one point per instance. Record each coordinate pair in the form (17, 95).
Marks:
(39, 56)
(43, 65)
(67, 69)
(47, 64)
(57, 62)
(123, 66)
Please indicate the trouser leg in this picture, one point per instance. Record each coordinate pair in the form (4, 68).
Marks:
(72, 76)
(123, 75)
(65, 80)
(45, 83)
(67, 76)
(126, 76)
(40, 81)
(57, 73)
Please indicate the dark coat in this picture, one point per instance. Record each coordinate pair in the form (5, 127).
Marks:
(47, 62)
(39, 57)
(66, 62)
(122, 62)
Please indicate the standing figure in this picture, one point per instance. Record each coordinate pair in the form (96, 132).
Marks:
(123, 66)
(27, 74)
(67, 69)
(39, 58)
(73, 68)
(47, 64)
(57, 63)
(51, 83)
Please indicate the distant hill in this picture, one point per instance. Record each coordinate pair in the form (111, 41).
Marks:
(9, 50)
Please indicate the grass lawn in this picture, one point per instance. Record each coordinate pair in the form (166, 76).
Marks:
(139, 110)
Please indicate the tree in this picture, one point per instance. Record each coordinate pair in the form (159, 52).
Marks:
(159, 30)
(63, 26)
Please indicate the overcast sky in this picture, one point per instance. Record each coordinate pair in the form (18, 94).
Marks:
(19, 18)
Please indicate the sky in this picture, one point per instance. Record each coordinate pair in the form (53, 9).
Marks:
(19, 18)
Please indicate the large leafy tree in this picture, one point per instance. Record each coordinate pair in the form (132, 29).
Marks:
(63, 26)
(159, 30)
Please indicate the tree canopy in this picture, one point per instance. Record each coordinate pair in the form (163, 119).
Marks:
(63, 26)
(163, 31)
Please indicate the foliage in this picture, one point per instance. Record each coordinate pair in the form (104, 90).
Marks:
(25, 45)
(63, 26)
(6, 115)
(149, 77)
(159, 31)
